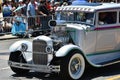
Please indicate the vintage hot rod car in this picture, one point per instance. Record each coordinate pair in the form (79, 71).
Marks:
(85, 34)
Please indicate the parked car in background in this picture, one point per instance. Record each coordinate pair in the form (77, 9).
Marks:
(87, 34)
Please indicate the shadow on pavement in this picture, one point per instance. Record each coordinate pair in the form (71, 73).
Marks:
(90, 74)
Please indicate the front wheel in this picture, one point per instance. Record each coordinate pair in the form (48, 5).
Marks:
(18, 57)
(73, 66)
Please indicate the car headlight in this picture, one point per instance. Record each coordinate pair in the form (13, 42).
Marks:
(24, 47)
(49, 49)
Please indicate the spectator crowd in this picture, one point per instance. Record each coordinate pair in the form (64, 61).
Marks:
(29, 10)
(31, 7)
(28, 13)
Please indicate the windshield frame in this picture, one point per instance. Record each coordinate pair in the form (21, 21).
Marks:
(57, 14)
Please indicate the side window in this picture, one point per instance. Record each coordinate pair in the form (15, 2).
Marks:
(107, 18)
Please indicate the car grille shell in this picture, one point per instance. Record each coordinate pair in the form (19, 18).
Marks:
(39, 52)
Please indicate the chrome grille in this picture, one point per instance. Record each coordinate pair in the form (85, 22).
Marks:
(39, 54)
(39, 46)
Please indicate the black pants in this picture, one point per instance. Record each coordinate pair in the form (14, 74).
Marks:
(44, 21)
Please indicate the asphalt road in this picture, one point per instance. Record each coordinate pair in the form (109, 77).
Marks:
(106, 73)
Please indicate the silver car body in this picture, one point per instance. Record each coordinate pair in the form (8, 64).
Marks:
(99, 44)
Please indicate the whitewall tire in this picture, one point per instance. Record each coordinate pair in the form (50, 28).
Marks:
(72, 66)
(76, 66)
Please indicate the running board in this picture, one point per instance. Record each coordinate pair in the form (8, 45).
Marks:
(109, 62)
(104, 59)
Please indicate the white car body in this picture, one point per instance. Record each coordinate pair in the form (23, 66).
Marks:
(98, 43)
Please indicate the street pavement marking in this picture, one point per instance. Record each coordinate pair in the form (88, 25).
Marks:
(114, 78)
(4, 57)
(5, 68)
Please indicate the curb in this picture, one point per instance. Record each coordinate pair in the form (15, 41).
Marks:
(6, 37)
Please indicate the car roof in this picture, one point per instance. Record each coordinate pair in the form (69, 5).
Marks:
(90, 7)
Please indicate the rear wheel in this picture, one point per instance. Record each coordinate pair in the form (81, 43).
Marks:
(73, 66)
(18, 57)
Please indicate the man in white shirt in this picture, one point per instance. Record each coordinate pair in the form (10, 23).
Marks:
(31, 12)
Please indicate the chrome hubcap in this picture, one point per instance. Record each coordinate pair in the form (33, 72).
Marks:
(75, 66)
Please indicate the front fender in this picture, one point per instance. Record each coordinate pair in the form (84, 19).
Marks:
(17, 47)
(63, 51)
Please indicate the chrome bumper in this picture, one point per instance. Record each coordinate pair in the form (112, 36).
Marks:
(38, 68)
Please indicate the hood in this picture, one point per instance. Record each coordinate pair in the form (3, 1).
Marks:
(78, 26)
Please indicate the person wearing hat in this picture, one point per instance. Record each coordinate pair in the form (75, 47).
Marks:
(24, 7)
(18, 27)
(56, 4)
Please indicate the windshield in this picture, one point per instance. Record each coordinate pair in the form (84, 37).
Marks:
(80, 17)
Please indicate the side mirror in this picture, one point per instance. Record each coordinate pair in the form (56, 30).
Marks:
(52, 23)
